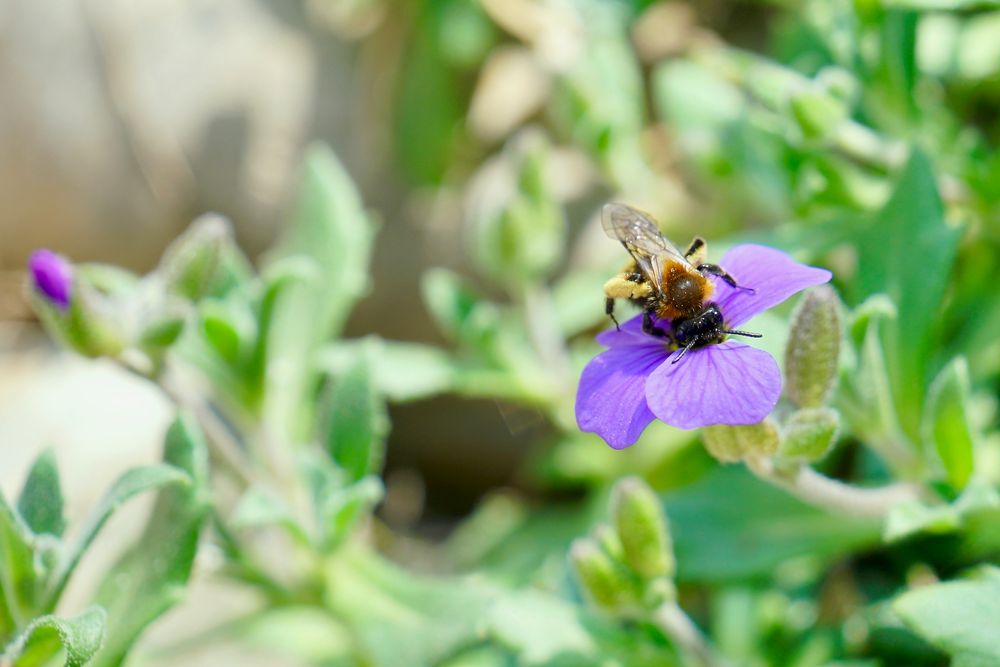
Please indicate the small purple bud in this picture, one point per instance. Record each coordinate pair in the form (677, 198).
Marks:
(52, 276)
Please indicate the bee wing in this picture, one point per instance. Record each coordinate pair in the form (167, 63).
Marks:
(642, 238)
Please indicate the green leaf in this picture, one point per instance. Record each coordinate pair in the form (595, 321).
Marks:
(260, 507)
(79, 636)
(341, 510)
(517, 234)
(959, 617)
(729, 511)
(357, 423)
(426, 618)
(151, 576)
(909, 518)
(456, 309)
(400, 371)
(130, 484)
(911, 225)
(942, 5)
(946, 423)
(41, 501)
(18, 577)
(331, 229)
(538, 627)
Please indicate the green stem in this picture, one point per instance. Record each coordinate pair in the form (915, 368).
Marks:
(683, 632)
(808, 485)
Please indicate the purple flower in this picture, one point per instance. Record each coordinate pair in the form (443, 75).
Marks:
(52, 276)
(625, 387)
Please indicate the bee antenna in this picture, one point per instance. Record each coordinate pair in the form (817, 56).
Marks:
(737, 332)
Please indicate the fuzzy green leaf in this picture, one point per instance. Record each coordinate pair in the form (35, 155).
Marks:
(330, 228)
(357, 423)
(946, 423)
(151, 576)
(130, 484)
(959, 617)
(79, 636)
(18, 578)
(915, 213)
(41, 503)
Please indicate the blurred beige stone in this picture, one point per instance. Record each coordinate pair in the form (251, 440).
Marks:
(120, 120)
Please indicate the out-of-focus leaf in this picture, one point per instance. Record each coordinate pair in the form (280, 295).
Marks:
(538, 628)
(913, 517)
(343, 508)
(517, 228)
(131, 483)
(960, 617)
(152, 575)
(729, 511)
(330, 228)
(191, 264)
(400, 371)
(911, 225)
(428, 619)
(79, 636)
(941, 5)
(458, 311)
(18, 579)
(308, 633)
(577, 299)
(260, 507)
(41, 503)
(356, 422)
(946, 423)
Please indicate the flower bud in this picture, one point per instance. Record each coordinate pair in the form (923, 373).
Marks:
(809, 434)
(52, 277)
(730, 444)
(642, 527)
(604, 582)
(73, 308)
(609, 541)
(191, 263)
(813, 348)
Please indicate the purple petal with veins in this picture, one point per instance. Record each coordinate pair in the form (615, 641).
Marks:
(773, 275)
(728, 383)
(611, 398)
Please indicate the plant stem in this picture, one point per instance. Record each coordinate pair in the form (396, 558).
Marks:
(223, 443)
(682, 631)
(830, 494)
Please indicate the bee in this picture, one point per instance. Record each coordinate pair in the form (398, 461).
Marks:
(666, 284)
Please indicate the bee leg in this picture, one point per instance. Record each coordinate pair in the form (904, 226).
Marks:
(609, 310)
(696, 251)
(716, 270)
(684, 351)
(649, 328)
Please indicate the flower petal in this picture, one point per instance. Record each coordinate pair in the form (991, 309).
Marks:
(611, 398)
(630, 333)
(728, 383)
(772, 274)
